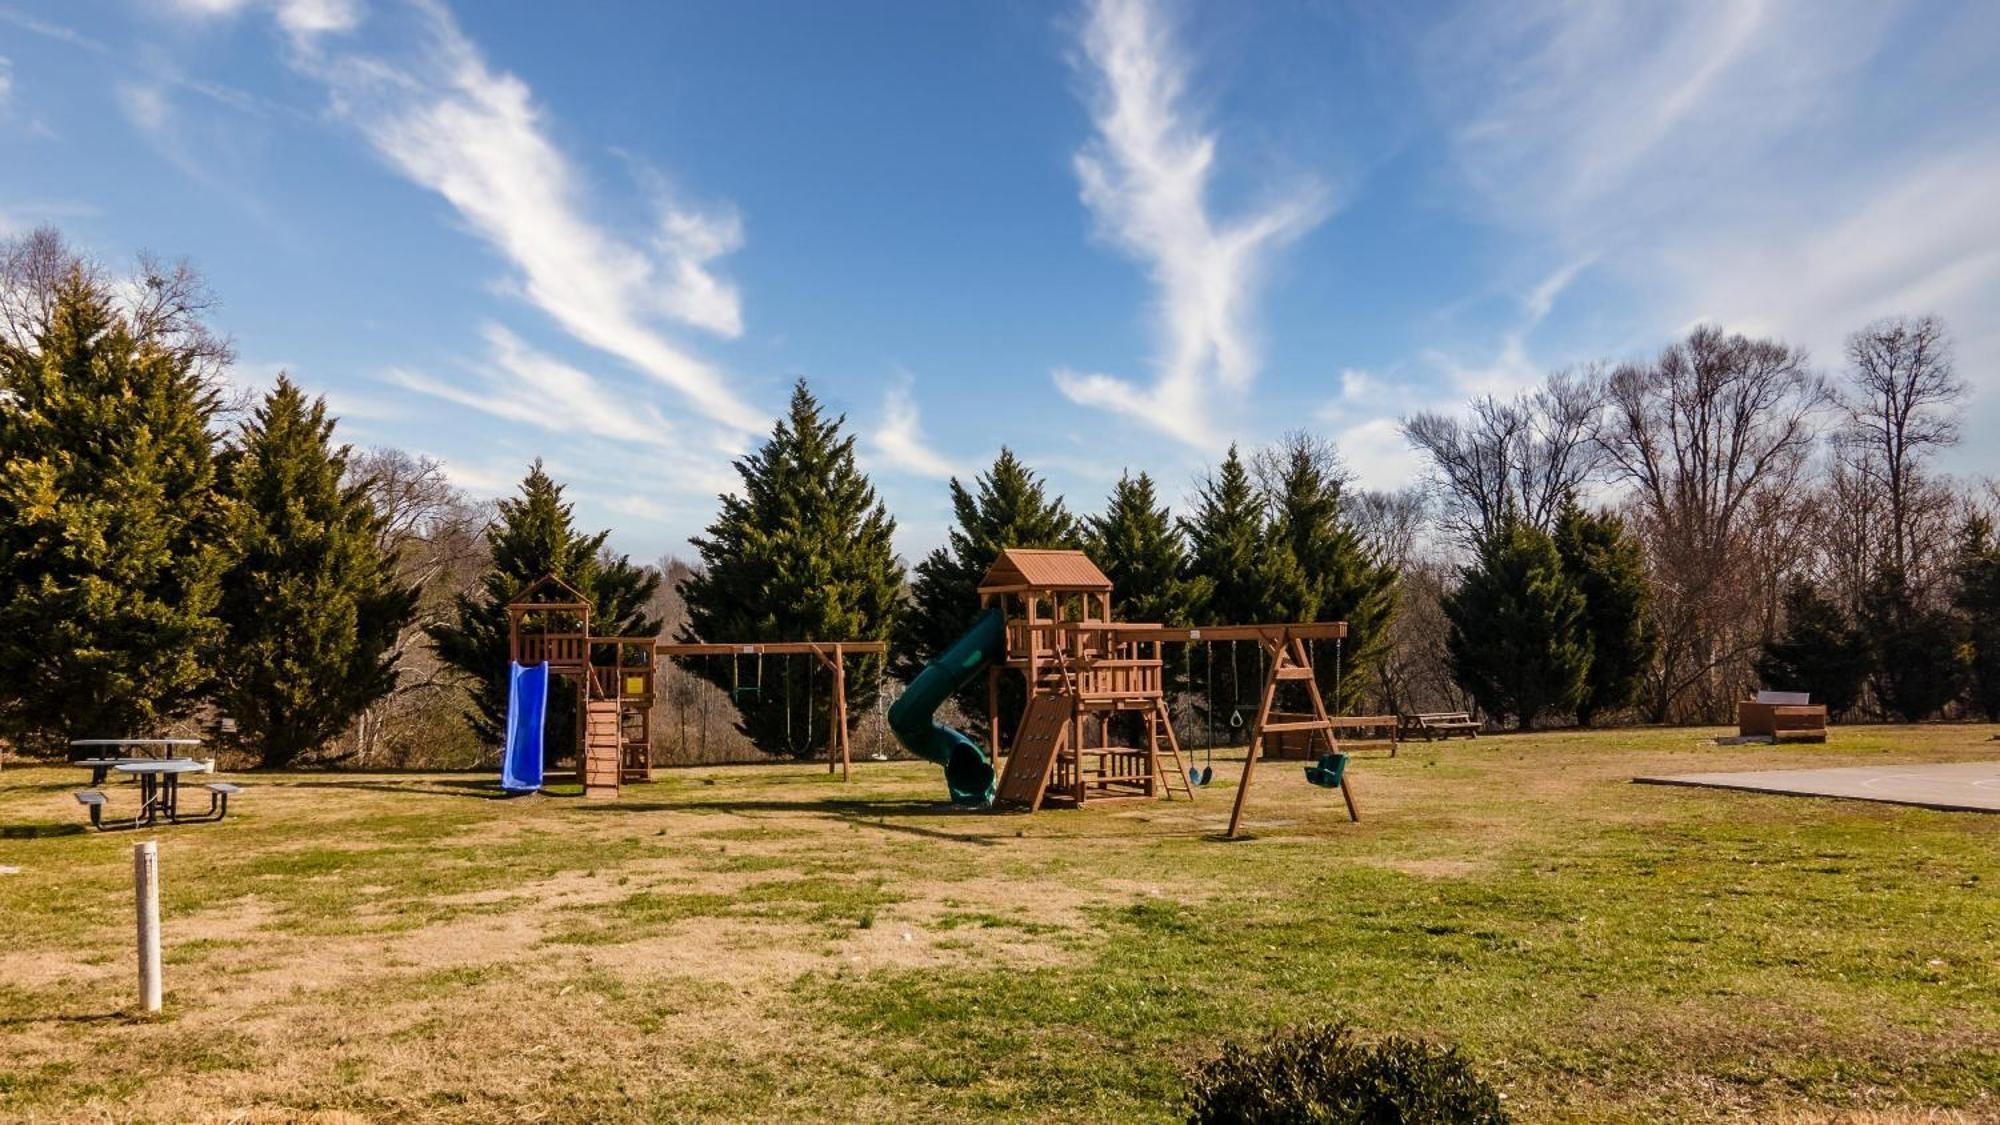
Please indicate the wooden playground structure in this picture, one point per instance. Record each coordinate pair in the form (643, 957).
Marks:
(1090, 682)
(1082, 670)
(612, 678)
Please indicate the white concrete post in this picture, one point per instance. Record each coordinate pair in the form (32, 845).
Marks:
(146, 895)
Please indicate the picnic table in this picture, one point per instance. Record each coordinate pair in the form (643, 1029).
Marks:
(159, 781)
(101, 754)
(1440, 724)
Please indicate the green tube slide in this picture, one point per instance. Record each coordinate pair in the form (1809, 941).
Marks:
(968, 771)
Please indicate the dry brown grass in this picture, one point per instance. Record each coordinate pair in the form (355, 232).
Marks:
(757, 942)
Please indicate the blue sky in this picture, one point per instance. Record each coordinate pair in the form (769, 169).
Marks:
(1111, 234)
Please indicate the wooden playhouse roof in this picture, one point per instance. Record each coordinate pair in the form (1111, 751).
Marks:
(1028, 568)
(549, 592)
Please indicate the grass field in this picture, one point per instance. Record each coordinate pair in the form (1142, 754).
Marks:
(767, 942)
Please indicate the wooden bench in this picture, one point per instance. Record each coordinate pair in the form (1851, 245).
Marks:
(1440, 724)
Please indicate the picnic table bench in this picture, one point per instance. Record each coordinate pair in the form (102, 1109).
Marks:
(1440, 724)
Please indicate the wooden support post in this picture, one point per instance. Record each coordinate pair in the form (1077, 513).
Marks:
(146, 898)
(1256, 735)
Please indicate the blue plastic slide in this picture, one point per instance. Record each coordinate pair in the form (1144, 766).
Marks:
(527, 706)
(968, 771)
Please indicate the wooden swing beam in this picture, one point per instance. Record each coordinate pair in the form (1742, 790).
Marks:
(831, 655)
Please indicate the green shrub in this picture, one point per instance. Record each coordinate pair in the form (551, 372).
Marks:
(1320, 1075)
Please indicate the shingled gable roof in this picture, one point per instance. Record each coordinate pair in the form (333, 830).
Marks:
(1026, 568)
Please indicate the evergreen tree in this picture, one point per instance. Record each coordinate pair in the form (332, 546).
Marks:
(1518, 641)
(1137, 545)
(1920, 657)
(535, 535)
(1240, 579)
(1226, 547)
(1820, 653)
(310, 605)
(1011, 508)
(110, 526)
(1976, 596)
(1324, 571)
(1607, 564)
(803, 552)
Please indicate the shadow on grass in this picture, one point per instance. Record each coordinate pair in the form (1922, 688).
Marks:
(871, 813)
(39, 831)
(484, 790)
(79, 1019)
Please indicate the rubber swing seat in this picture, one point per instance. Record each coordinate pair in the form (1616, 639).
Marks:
(1329, 771)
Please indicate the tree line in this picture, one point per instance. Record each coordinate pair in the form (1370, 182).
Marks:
(1641, 541)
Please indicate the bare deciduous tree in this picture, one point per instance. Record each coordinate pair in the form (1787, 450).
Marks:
(166, 303)
(1524, 455)
(436, 534)
(1712, 437)
(1902, 386)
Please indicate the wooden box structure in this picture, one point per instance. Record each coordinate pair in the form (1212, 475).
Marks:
(550, 622)
(1781, 716)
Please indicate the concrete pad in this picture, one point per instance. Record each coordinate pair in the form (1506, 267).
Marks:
(1952, 786)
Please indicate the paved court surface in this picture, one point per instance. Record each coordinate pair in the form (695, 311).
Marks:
(1954, 786)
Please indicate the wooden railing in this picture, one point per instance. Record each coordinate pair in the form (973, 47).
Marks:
(555, 648)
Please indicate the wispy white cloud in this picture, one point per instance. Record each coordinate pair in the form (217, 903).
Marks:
(6, 82)
(1376, 454)
(52, 30)
(1735, 163)
(446, 120)
(1512, 368)
(145, 107)
(521, 384)
(1146, 178)
(301, 19)
(898, 442)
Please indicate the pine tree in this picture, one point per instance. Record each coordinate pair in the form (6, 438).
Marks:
(1607, 564)
(802, 552)
(110, 526)
(311, 605)
(1919, 650)
(1137, 545)
(1226, 547)
(1976, 596)
(536, 535)
(1518, 642)
(1326, 572)
(1821, 652)
(1242, 582)
(1011, 508)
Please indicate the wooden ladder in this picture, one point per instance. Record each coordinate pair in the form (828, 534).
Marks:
(1157, 723)
(602, 743)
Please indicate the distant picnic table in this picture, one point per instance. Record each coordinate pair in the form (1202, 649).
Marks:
(158, 777)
